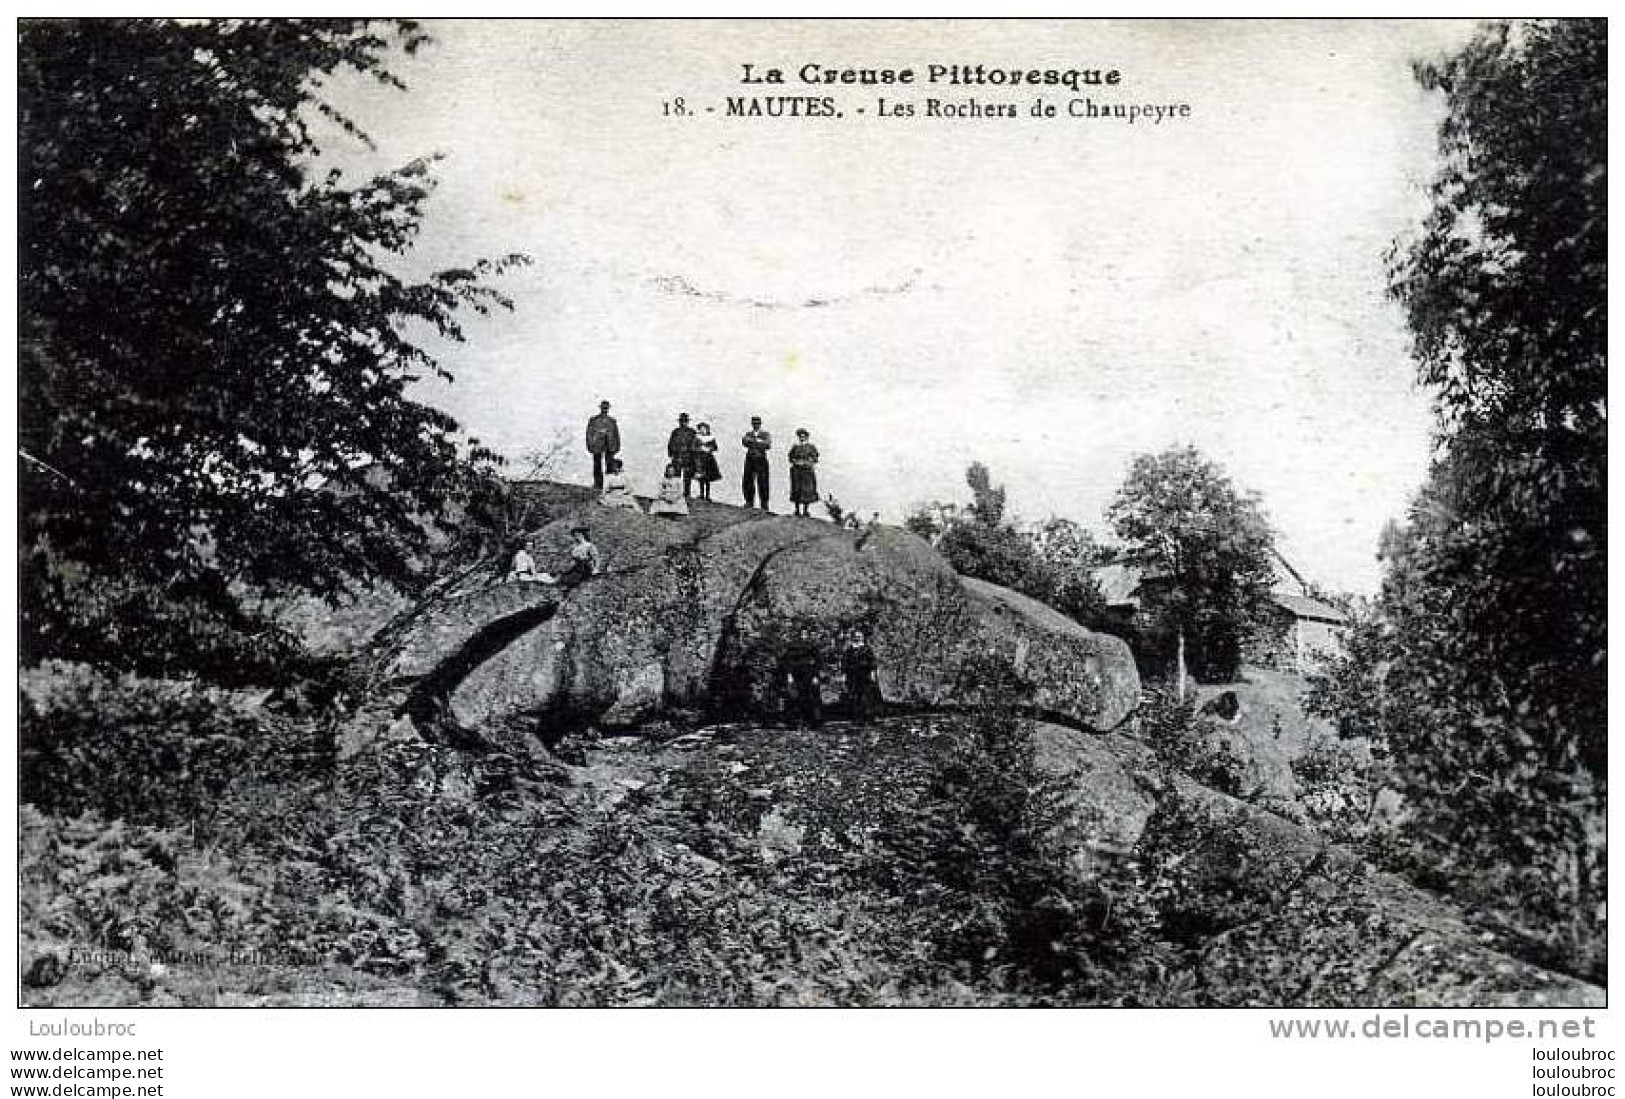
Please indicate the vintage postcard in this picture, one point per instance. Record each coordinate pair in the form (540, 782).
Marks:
(860, 513)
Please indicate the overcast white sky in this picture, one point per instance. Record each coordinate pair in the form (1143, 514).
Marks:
(1048, 297)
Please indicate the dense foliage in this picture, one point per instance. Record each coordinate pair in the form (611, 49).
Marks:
(1485, 669)
(1205, 549)
(415, 867)
(152, 751)
(216, 349)
(925, 865)
(1050, 562)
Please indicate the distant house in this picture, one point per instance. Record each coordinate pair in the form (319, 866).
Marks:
(1124, 588)
(1300, 630)
(1303, 630)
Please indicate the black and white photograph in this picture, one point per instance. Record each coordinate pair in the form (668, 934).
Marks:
(788, 513)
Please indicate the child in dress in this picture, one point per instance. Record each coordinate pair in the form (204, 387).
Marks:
(617, 490)
(670, 501)
(523, 567)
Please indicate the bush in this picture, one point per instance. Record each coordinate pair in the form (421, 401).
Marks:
(1504, 812)
(1013, 559)
(103, 903)
(1338, 789)
(1186, 741)
(147, 751)
(1051, 562)
(69, 613)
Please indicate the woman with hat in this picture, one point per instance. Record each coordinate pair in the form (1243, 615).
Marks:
(585, 560)
(803, 473)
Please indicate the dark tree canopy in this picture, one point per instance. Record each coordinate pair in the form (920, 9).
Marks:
(1485, 669)
(1502, 286)
(1206, 544)
(987, 499)
(215, 361)
(1505, 290)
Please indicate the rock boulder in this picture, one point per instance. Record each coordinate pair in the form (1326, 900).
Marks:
(695, 615)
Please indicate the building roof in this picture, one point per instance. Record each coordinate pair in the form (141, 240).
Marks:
(1304, 607)
(1287, 578)
(1120, 585)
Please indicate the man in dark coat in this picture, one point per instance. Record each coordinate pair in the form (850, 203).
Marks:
(682, 449)
(603, 442)
(756, 443)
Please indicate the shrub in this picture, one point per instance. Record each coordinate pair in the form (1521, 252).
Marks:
(1186, 741)
(1050, 562)
(1337, 789)
(150, 751)
(70, 613)
(100, 901)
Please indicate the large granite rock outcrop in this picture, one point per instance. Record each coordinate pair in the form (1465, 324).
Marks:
(695, 615)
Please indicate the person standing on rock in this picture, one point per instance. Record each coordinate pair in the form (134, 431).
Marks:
(803, 473)
(755, 481)
(680, 449)
(603, 442)
(706, 469)
(800, 673)
(858, 666)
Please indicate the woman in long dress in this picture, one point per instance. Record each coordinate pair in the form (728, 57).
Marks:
(617, 490)
(670, 500)
(706, 469)
(803, 473)
(858, 667)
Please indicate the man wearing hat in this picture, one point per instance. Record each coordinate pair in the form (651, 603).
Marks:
(756, 443)
(603, 442)
(681, 448)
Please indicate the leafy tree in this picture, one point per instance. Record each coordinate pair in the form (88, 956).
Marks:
(1070, 555)
(216, 348)
(1063, 540)
(987, 499)
(1505, 291)
(1486, 669)
(1347, 687)
(1205, 547)
(1051, 562)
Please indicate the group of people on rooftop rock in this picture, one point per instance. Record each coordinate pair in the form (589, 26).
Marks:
(691, 454)
(692, 459)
